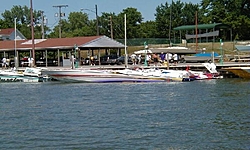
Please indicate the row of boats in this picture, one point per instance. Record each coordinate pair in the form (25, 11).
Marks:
(135, 74)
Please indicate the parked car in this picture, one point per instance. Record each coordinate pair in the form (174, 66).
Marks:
(121, 60)
(108, 60)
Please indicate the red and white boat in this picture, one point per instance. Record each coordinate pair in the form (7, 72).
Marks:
(212, 73)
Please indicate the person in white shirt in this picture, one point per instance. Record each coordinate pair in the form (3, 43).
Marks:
(133, 56)
(148, 59)
(169, 57)
(175, 57)
(30, 59)
(139, 59)
(4, 64)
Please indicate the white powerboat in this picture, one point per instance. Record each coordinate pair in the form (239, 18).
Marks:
(28, 75)
(95, 76)
(157, 74)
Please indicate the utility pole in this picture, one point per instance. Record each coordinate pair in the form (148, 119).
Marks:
(42, 23)
(15, 59)
(196, 31)
(97, 23)
(111, 28)
(170, 18)
(60, 15)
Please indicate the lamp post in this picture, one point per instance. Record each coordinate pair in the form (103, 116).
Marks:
(96, 15)
(75, 60)
(221, 51)
(125, 41)
(146, 49)
(15, 59)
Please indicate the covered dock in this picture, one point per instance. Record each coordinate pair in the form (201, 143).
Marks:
(204, 31)
(57, 51)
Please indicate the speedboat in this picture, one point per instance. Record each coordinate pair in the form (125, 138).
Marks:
(28, 75)
(211, 72)
(242, 72)
(157, 74)
(95, 76)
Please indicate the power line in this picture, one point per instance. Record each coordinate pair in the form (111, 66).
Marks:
(60, 14)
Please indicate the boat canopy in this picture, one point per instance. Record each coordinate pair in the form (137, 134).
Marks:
(206, 55)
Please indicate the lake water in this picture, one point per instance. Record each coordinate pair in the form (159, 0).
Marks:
(211, 114)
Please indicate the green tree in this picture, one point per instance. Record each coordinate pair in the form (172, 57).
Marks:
(77, 24)
(22, 15)
(163, 20)
(133, 20)
(107, 22)
(235, 13)
(172, 15)
(148, 29)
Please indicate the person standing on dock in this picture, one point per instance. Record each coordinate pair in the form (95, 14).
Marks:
(4, 64)
(155, 59)
(162, 56)
(92, 63)
(168, 57)
(30, 59)
(133, 56)
(175, 57)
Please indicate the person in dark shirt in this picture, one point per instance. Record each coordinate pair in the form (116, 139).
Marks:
(162, 56)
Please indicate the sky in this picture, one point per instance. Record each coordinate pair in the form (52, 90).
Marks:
(146, 7)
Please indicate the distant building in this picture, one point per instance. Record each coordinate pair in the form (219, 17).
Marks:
(9, 35)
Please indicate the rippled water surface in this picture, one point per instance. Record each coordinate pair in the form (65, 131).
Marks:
(211, 114)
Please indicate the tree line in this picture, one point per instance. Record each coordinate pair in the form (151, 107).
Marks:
(235, 13)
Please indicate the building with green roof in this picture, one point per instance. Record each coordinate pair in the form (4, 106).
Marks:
(211, 30)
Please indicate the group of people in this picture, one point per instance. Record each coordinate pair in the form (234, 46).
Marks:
(7, 62)
(172, 57)
(155, 58)
(136, 59)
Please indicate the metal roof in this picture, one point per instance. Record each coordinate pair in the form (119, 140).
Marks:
(84, 43)
(102, 42)
(203, 26)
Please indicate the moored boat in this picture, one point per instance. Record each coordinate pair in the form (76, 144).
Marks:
(242, 72)
(211, 72)
(124, 75)
(28, 75)
(95, 76)
(159, 74)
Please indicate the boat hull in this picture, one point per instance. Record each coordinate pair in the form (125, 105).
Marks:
(242, 72)
(6, 78)
(100, 76)
(96, 76)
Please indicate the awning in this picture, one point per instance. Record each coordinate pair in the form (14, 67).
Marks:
(143, 51)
